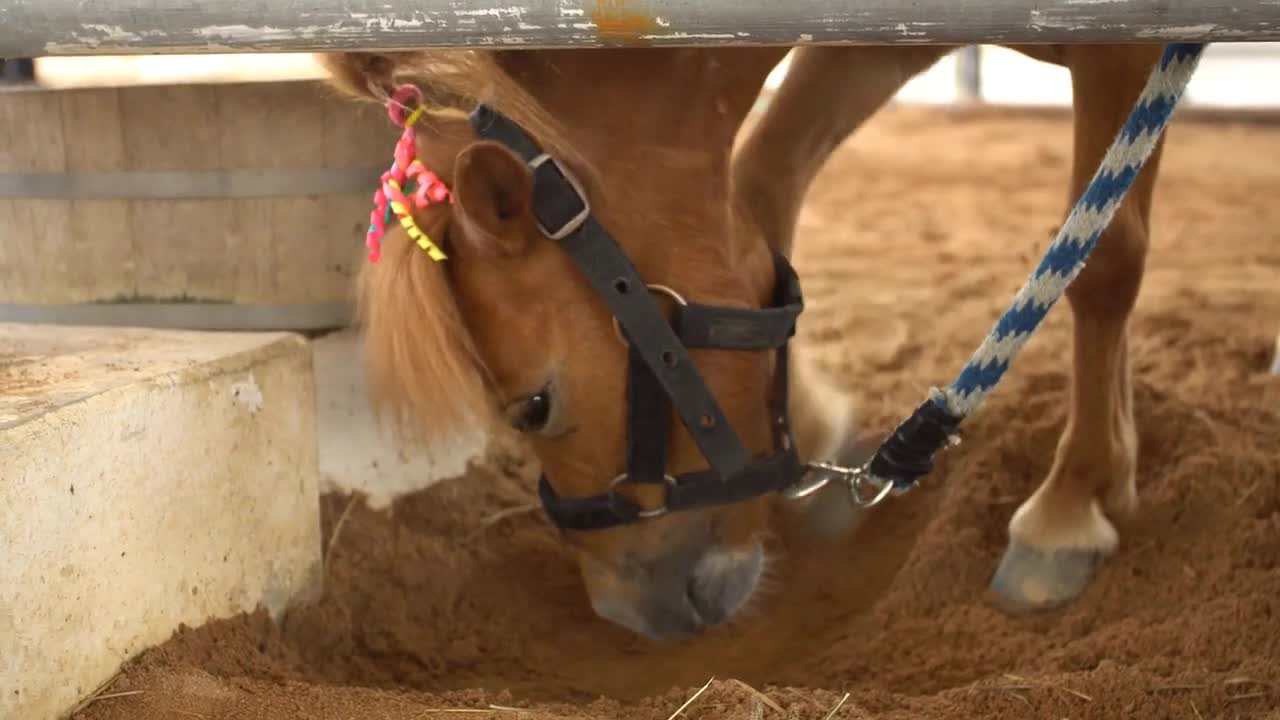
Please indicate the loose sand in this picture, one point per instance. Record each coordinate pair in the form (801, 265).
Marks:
(914, 238)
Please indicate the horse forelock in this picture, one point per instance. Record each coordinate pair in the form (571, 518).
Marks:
(423, 368)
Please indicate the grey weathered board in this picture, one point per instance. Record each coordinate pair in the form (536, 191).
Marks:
(224, 205)
(78, 27)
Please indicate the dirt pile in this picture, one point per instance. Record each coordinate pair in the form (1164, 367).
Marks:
(908, 249)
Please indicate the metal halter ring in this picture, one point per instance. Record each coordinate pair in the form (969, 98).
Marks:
(653, 287)
(815, 477)
(642, 514)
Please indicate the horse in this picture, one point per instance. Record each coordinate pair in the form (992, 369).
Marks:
(615, 255)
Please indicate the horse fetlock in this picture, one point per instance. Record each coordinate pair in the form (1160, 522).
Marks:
(1105, 466)
(1052, 520)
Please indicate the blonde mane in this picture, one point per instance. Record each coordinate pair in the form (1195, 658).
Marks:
(424, 371)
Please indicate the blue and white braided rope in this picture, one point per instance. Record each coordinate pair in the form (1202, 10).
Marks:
(904, 453)
(1076, 239)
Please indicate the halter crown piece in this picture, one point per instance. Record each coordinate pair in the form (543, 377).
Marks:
(397, 183)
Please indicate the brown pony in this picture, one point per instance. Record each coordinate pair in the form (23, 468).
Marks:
(507, 327)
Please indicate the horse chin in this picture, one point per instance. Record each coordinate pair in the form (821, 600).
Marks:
(680, 595)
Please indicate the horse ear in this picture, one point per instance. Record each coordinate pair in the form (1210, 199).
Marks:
(492, 193)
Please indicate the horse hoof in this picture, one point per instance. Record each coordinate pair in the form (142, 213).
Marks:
(1030, 580)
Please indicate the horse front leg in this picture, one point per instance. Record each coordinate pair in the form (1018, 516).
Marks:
(1062, 532)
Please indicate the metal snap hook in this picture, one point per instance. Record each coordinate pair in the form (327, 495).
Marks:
(865, 490)
(881, 488)
(815, 477)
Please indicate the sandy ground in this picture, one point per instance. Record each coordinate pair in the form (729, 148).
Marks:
(912, 242)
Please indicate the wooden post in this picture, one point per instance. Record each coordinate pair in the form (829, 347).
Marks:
(969, 75)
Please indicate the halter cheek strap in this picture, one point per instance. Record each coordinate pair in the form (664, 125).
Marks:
(661, 373)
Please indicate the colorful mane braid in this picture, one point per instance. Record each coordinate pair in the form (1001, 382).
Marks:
(407, 178)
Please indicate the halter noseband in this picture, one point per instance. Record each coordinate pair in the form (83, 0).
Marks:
(660, 370)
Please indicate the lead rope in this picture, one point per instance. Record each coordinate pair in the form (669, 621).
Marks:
(907, 454)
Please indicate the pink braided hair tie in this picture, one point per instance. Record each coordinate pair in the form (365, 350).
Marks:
(400, 101)
(390, 197)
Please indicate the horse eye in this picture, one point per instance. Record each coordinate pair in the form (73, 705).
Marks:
(535, 413)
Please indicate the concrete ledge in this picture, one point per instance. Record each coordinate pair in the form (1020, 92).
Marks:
(147, 478)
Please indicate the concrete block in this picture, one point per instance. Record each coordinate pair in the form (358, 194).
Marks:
(147, 478)
(357, 452)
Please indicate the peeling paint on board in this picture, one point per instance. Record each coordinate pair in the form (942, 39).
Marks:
(619, 22)
(1177, 31)
(694, 36)
(248, 395)
(907, 32)
(1041, 20)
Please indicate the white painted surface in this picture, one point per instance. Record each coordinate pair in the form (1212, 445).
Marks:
(109, 71)
(357, 453)
(1229, 75)
(1236, 75)
(147, 479)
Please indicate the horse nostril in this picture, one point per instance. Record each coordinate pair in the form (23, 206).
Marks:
(705, 600)
(722, 582)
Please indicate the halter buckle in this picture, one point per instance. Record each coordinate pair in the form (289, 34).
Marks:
(574, 223)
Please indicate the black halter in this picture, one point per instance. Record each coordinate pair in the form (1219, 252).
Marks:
(660, 370)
